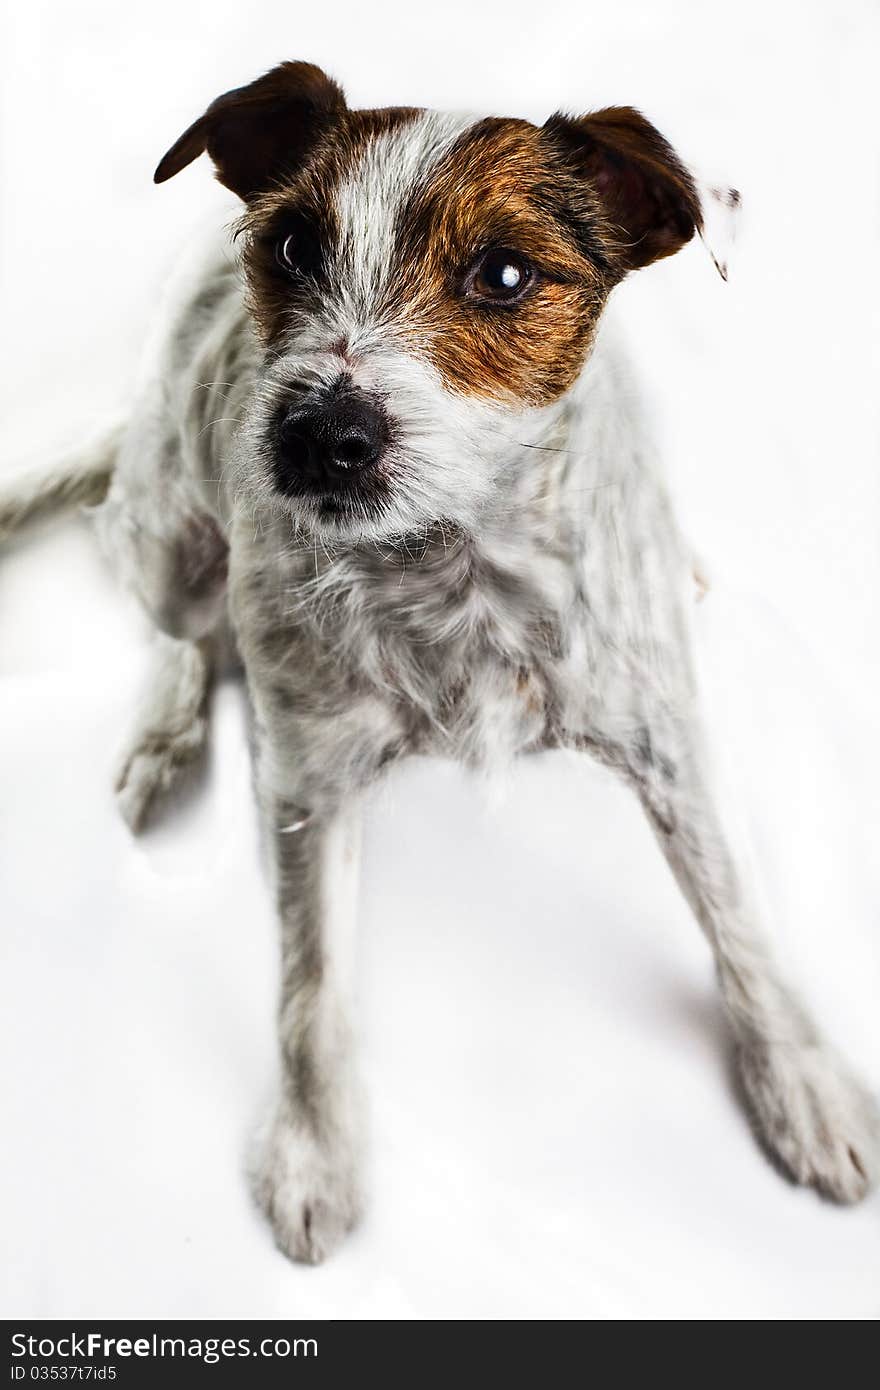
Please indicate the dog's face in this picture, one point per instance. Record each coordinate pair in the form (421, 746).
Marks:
(427, 286)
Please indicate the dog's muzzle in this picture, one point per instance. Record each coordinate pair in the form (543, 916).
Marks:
(330, 442)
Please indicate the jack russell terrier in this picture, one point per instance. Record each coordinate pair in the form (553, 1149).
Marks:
(389, 450)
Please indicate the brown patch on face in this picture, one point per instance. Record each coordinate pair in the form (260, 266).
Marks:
(501, 186)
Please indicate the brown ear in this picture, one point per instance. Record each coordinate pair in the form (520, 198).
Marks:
(649, 198)
(255, 134)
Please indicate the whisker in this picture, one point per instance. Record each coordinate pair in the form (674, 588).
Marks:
(221, 420)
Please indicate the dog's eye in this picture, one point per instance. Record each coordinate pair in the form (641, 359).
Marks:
(285, 254)
(298, 247)
(501, 275)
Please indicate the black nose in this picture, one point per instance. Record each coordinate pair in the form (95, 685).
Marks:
(330, 441)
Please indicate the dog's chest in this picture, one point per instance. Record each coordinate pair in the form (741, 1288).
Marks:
(460, 654)
(466, 659)
(487, 710)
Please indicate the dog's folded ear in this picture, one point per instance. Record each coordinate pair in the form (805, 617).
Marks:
(257, 134)
(650, 201)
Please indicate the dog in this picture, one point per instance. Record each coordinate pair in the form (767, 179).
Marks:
(391, 449)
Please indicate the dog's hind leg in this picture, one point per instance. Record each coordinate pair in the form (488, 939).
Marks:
(81, 476)
(171, 730)
(172, 554)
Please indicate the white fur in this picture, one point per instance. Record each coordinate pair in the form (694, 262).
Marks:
(370, 200)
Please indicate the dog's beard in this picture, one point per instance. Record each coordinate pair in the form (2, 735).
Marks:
(444, 468)
(398, 502)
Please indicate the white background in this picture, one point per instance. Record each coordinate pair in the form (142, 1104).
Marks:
(554, 1129)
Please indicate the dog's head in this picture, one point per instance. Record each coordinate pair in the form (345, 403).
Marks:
(427, 286)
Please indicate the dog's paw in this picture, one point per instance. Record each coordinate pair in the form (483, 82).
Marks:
(815, 1118)
(309, 1192)
(152, 768)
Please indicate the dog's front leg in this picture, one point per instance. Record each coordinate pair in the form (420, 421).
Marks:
(308, 1181)
(816, 1119)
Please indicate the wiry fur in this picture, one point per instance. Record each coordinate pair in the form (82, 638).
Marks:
(519, 584)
